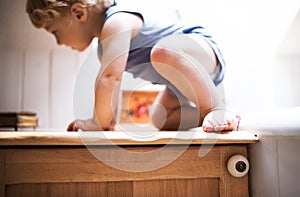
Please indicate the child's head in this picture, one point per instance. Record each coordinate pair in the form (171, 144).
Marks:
(41, 10)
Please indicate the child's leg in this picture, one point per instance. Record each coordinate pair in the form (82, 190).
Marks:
(167, 109)
(188, 62)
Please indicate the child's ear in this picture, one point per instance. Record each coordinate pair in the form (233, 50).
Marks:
(79, 11)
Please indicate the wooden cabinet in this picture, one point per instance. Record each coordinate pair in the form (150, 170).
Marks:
(59, 164)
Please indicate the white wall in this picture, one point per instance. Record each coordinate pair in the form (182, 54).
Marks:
(274, 163)
(274, 159)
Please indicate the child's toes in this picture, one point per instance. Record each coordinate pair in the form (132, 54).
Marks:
(217, 121)
(207, 126)
(211, 125)
(233, 124)
(223, 127)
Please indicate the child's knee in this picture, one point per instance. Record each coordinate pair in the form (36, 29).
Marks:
(160, 54)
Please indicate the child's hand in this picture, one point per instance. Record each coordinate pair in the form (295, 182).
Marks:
(72, 127)
(84, 125)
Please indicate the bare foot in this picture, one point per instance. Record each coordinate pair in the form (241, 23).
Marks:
(220, 120)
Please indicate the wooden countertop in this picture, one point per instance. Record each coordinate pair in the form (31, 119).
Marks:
(62, 138)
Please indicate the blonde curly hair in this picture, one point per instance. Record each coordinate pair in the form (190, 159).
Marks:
(40, 10)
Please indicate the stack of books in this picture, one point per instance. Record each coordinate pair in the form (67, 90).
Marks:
(18, 120)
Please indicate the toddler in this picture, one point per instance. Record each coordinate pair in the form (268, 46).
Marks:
(147, 44)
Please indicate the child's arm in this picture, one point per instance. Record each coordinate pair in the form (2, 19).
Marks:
(115, 38)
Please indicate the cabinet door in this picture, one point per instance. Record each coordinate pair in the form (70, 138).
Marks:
(177, 188)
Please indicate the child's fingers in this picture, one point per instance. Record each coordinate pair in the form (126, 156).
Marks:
(69, 127)
(72, 127)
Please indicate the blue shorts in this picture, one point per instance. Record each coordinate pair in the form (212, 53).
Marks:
(141, 66)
